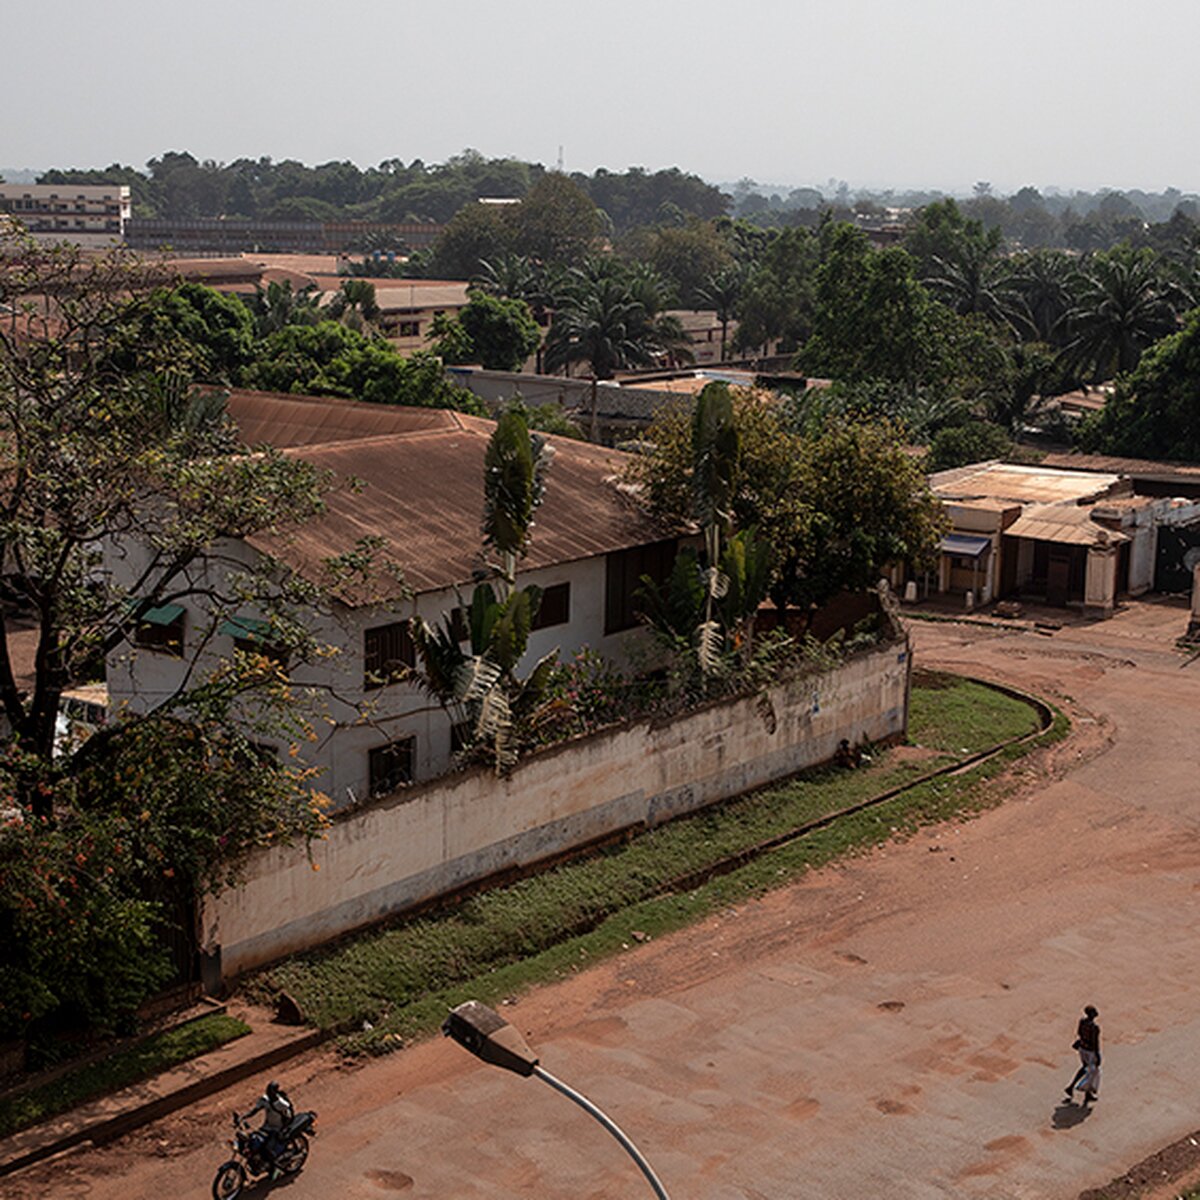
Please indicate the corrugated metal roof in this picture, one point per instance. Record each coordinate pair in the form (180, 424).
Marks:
(1125, 466)
(1026, 485)
(421, 488)
(283, 420)
(1067, 524)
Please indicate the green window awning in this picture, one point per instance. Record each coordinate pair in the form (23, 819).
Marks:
(164, 614)
(249, 629)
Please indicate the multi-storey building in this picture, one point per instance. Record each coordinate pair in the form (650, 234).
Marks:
(91, 215)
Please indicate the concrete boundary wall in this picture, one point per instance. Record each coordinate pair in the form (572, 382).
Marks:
(430, 840)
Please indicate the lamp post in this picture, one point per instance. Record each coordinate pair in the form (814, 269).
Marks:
(490, 1037)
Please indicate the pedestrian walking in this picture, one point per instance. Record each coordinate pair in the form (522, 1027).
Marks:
(1087, 1042)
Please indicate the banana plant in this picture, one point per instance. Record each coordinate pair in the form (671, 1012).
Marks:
(714, 478)
(483, 685)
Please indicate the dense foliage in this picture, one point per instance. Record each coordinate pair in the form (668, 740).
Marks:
(835, 503)
(1155, 411)
(105, 447)
(498, 333)
(176, 185)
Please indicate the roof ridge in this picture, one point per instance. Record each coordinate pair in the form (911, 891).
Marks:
(372, 438)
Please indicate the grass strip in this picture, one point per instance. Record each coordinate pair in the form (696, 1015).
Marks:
(122, 1068)
(401, 977)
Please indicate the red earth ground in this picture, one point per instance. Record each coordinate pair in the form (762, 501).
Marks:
(898, 1025)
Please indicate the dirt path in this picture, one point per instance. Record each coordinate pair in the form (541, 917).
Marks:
(898, 1025)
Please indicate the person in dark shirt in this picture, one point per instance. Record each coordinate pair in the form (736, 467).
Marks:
(1087, 1042)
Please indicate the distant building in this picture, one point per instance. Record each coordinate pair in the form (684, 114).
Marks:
(1071, 538)
(89, 215)
(237, 235)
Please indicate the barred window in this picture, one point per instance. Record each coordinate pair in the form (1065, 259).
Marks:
(388, 652)
(391, 766)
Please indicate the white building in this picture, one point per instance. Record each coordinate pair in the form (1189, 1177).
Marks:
(418, 484)
(89, 215)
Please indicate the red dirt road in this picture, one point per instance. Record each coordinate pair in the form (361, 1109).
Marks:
(898, 1026)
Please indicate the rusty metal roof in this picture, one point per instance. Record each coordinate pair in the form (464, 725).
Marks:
(284, 420)
(420, 487)
(1063, 523)
(1144, 468)
(1024, 484)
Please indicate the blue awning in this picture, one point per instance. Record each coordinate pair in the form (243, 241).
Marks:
(966, 545)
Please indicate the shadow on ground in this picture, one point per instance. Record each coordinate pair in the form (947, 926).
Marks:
(1069, 1114)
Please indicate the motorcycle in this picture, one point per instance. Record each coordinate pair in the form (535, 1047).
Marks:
(251, 1160)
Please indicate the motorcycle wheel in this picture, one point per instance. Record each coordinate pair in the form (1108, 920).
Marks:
(294, 1155)
(230, 1179)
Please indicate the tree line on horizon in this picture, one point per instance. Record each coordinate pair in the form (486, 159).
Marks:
(177, 186)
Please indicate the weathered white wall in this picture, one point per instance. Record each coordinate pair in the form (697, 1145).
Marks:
(431, 839)
(349, 719)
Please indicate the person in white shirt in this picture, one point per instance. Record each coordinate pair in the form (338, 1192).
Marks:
(277, 1113)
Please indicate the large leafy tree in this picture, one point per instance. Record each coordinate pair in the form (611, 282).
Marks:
(498, 333)
(835, 503)
(330, 359)
(102, 457)
(555, 222)
(189, 326)
(870, 507)
(685, 256)
(943, 234)
(873, 320)
(777, 297)
(1154, 412)
(477, 233)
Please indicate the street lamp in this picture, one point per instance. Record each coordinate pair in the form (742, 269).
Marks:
(490, 1037)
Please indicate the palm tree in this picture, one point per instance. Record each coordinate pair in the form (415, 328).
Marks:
(509, 277)
(277, 306)
(714, 469)
(613, 319)
(1124, 306)
(483, 685)
(354, 304)
(721, 292)
(1045, 281)
(975, 280)
(601, 324)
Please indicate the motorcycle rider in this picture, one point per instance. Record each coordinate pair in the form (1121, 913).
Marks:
(277, 1113)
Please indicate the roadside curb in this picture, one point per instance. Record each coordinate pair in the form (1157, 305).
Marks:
(108, 1128)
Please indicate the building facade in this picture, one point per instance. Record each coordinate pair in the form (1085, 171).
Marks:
(93, 216)
(420, 489)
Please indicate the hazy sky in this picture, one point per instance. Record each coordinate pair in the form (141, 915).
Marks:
(938, 93)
